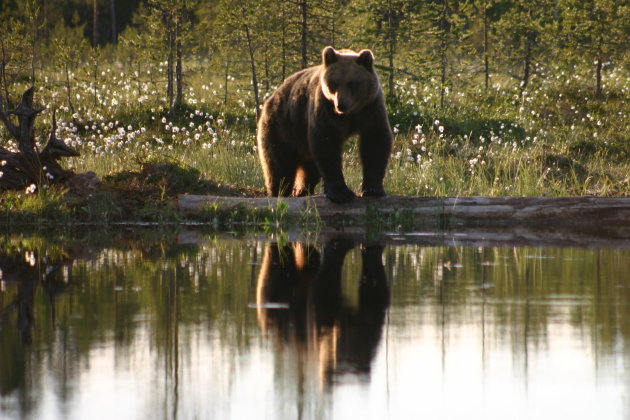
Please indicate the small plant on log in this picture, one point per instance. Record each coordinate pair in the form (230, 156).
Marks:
(28, 166)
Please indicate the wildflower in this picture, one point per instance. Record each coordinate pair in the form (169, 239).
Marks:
(31, 189)
(29, 257)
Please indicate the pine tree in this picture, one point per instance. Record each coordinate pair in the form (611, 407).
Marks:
(597, 29)
(384, 25)
(523, 35)
(444, 28)
(168, 23)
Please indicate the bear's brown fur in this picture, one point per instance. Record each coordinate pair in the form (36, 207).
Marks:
(306, 121)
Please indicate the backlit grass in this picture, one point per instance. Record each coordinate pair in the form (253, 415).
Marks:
(555, 139)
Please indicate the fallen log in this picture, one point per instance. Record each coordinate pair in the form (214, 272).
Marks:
(433, 211)
(29, 166)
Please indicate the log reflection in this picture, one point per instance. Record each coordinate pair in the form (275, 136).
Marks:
(300, 301)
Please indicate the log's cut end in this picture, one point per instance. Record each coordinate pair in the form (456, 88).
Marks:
(477, 210)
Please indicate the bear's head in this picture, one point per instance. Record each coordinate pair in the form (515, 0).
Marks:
(348, 79)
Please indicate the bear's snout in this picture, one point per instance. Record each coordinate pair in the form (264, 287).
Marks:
(343, 103)
(342, 107)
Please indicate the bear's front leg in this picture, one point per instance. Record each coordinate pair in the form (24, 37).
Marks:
(327, 150)
(375, 145)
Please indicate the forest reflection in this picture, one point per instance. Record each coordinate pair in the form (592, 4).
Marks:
(224, 327)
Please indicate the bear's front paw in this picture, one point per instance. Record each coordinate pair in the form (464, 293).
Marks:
(373, 192)
(341, 194)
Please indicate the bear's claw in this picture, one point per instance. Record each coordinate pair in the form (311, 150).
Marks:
(340, 195)
(373, 192)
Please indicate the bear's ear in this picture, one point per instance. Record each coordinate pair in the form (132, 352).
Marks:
(329, 56)
(366, 59)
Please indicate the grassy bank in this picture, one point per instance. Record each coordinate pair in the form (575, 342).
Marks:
(554, 139)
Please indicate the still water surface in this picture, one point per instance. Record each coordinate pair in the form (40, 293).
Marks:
(150, 327)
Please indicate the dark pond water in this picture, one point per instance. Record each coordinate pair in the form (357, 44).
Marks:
(199, 326)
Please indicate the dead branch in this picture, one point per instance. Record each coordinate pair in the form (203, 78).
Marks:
(28, 165)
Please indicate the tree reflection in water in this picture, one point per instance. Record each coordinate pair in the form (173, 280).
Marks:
(28, 273)
(141, 326)
(300, 300)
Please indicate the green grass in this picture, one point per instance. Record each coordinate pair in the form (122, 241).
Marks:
(554, 140)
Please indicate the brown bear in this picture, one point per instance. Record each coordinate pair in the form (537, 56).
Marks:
(306, 121)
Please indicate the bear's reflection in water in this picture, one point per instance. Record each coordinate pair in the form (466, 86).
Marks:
(300, 301)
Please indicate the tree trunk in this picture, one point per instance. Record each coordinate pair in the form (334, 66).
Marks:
(529, 43)
(179, 72)
(95, 83)
(94, 23)
(139, 78)
(114, 32)
(33, 47)
(598, 73)
(226, 79)
(267, 83)
(283, 43)
(3, 68)
(68, 87)
(444, 31)
(486, 45)
(170, 33)
(390, 49)
(333, 25)
(304, 34)
(252, 63)
(598, 88)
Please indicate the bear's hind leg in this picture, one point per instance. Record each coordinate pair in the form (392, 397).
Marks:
(306, 179)
(278, 164)
(282, 181)
(280, 176)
